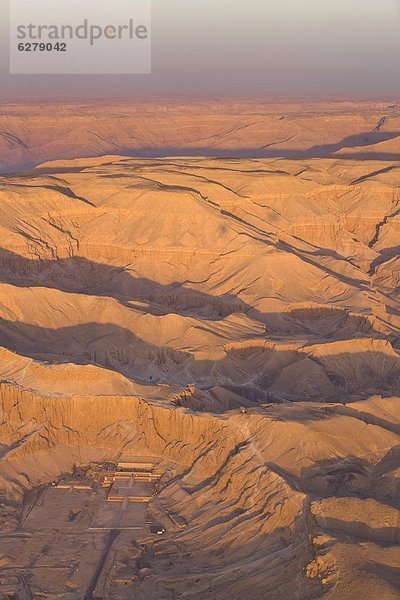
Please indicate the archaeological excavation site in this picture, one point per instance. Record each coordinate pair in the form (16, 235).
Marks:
(200, 356)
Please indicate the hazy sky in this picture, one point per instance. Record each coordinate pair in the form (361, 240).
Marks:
(247, 48)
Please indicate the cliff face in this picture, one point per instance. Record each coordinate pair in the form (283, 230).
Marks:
(278, 486)
(111, 424)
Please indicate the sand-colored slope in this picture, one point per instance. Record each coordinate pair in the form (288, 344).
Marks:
(142, 302)
(181, 271)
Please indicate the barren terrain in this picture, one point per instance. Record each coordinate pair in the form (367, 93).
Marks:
(33, 132)
(234, 320)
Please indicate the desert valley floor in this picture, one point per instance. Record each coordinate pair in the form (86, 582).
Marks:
(200, 364)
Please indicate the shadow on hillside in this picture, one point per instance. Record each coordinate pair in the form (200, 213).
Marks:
(365, 139)
(386, 572)
(360, 531)
(354, 476)
(255, 374)
(82, 276)
(349, 477)
(103, 344)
